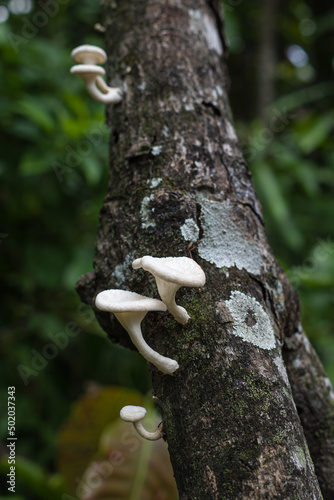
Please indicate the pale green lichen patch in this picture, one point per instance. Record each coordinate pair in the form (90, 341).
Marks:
(146, 212)
(281, 368)
(224, 243)
(228, 149)
(122, 272)
(329, 386)
(153, 183)
(201, 23)
(296, 363)
(156, 150)
(251, 322)
(190, 230)
(299, 458)
(230, 131)
(211, 35)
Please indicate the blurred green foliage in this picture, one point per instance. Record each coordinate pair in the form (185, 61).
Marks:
(53, 169)
(291, 152)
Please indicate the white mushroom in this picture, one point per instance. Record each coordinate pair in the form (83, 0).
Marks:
(135, 414)
(171, 273)
(130, 309)
(89, 56)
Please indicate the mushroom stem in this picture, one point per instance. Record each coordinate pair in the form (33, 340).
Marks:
(167, 293)
(99, 90)
(151, 436)
(179, 312)
(135, 414)
(130, 322)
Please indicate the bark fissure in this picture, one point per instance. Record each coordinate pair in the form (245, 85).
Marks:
(176, 169)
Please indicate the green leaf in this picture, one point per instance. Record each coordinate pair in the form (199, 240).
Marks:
(77, 267)
(318, 132)
(34, 162)
(271, 190)
(33, 109)
(303, 96)
(317, 270)
(43, 264)
(92, 169)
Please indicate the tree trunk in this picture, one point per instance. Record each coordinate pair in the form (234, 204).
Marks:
(179, 186)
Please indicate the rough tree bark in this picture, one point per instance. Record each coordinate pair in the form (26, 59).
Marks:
(179, 186)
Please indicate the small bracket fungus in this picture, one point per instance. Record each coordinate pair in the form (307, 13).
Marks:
(135, 414)
(171, 273)
(88, 56)
(130, 309)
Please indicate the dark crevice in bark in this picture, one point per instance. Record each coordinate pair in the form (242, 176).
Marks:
(212, 106)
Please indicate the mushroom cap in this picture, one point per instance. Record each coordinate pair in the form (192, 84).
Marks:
(87, 69)
(89, 54)
(132, 413)
(124, 301)
(180, 270)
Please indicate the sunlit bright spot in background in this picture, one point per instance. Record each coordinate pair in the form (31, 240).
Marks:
(4, 14)
(307, 27)
(20, 6)
(297, 56)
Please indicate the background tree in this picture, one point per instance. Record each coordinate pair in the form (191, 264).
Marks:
(46, 115)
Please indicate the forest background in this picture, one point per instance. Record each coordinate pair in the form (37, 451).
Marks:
(53, 169)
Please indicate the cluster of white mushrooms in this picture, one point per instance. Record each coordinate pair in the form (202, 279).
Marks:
(130, 309)
(88, 57)
(171, 273)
